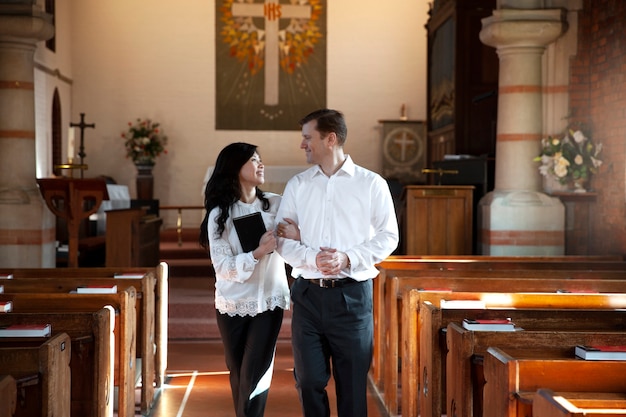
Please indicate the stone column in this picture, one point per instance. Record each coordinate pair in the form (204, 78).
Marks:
(516, 218)
(27, 229)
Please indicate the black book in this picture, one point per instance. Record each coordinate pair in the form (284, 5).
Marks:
(249, 228)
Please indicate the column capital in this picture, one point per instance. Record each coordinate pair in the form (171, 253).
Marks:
(24, 21)
(523, 28)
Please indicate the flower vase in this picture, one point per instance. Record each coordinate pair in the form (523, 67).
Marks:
(552, 184)
(580, 185)
(145, 180)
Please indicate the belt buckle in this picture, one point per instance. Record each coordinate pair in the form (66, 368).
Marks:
(327, 283)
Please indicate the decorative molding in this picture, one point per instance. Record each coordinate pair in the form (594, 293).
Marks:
(54, 73)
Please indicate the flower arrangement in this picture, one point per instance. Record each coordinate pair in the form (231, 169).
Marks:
(144, 141)
(572, 158)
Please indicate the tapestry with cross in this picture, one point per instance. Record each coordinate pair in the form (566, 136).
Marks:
(270, 62)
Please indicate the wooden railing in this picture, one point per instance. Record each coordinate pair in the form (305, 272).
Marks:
(179, 218)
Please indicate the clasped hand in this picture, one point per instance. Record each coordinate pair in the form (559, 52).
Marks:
(330, 261)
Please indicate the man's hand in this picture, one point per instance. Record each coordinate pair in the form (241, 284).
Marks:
(330, 261)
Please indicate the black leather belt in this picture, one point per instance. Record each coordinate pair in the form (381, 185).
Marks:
(332, 282)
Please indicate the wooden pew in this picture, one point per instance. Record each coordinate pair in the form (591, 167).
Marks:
(92, 355)
(548, 404)
(46, 364)
(466, 346)
(161, 297)
(413, 271)
(513, 376)
(526, 310)
(8, 393)
(400, 333)
(404, 265)
(145, 285)
(125, 329)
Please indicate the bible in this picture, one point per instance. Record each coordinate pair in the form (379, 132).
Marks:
(494, 325)
(249, 229)
(601, 353)
(26, 330)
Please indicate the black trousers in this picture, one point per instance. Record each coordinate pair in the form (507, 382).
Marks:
(249, 345)
(332, 329)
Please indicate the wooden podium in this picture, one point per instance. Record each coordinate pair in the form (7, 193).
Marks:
(437, 220)
(73, 200)
(132, 238)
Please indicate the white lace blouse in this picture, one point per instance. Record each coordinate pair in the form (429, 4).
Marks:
(244, 286)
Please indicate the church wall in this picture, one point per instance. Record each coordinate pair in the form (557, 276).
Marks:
(151, 59)
(598, 97)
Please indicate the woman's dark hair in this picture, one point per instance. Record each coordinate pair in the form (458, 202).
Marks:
(328, 121)
(223, 188)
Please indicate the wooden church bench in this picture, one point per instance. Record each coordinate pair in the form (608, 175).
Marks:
(467, 348)
(513, 376)
(145, 306)
(8, 393)
(428, 275)
(547, 403)
(91, 364)
(42, 373)
(161, 297)
(125, 330)
(532, 311)
(486, 281)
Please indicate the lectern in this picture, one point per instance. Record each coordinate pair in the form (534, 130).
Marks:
(437, 220)
(73, 199)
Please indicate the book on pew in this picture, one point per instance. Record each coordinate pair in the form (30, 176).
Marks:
(249, 229)
(6, 306)
(1, 289)
(26, 330)
(129, 275)
(462, 304)
(6, 276)
(490, 325)
(97, 289)
(601, 353)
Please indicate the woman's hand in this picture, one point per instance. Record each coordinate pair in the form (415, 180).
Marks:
(267, 244)
(289, 229)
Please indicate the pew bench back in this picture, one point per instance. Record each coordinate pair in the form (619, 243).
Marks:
(46, 363)
(124, 329)
(92, 355)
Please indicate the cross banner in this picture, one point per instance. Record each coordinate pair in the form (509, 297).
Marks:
(270, 62)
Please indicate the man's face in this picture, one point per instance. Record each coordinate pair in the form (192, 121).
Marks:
(315, 147)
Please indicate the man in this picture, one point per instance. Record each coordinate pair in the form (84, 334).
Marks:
(347, 224)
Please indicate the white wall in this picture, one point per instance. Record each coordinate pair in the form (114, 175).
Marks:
(143, 58)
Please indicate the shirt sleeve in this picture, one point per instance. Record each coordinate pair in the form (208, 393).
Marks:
(294, 252)
(385, 236)
(228, 265)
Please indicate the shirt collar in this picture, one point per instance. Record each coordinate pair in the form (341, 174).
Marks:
(347, 168)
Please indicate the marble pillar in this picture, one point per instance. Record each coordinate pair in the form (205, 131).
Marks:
(27, 228)
(517, 218)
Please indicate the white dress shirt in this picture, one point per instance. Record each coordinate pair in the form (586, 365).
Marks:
(351, 211)
(243, 285)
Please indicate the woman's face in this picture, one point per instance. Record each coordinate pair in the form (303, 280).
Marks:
(252, 173)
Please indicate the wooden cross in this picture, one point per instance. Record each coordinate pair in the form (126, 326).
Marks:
(82, 125)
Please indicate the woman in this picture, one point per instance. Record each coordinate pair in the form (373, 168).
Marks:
(251, 291)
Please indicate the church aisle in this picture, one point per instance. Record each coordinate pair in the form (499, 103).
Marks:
(197, 378)
(197, 384)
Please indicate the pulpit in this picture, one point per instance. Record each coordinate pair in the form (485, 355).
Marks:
(73, 200)
(437, 220)
(132, 238)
